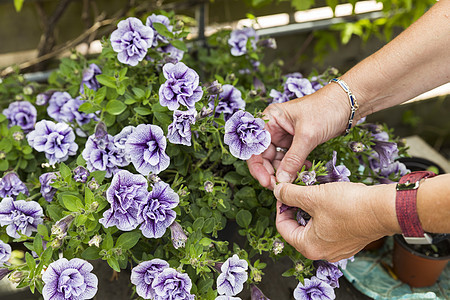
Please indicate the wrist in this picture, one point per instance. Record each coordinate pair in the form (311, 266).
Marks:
(383, 206)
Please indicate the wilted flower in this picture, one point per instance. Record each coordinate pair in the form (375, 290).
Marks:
(60, 227)
(18, 135)
(143, 275)
(214, 88)
(174, 55)
(4, 272)
(80, 174)
(126, 194)
(181, 87)
(43, 98)
(234, 274)
(257, 294)
(21, 113)
(328, 272)
(245, 135)
(334, 173)
(277, 246)
(238, 40)
(387, 152)
(298, 86)
(93, 184)
(343, 262)
(178, 235)
(146, 146)
(157, 213)
(12, 186)
(28, 90)
(179, 131)
(230, 101)
(158, 19)
(131, 41)
(89, 78)
(20, 216)
(259, 85)
(171, 284)
(57, 141)
(47, 191)
(302, 217)
(308, 177)
(356, 146)
(314, 289)
(96, 240)
(101, 154)
(69, 279)
(397, 168)
(270, 43)
(5, 252)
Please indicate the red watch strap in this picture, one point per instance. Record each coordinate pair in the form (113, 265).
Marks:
(406, 203)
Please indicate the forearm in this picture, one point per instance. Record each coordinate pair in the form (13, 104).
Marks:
(414, 62)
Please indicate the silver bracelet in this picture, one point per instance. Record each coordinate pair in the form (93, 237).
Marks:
(354, 105)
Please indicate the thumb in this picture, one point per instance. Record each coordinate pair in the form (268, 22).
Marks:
(296, 196)
(293, 160)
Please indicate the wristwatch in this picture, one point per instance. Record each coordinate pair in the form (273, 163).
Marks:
(406, 208)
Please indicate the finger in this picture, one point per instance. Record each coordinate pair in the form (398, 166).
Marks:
(288, 227)
(297, 196)
(293, 160)
(258, 168)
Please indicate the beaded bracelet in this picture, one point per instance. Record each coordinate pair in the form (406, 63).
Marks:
(353, 104)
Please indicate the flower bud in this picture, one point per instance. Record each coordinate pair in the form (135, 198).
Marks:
(100, 131)
(333, 71)
(308, 177)
(93, 184)
(209, 186)
(94, 206)
(43, 98)
(56, 243)
(28, 90)
(214, 88)
(18, 135)
(277, 246)
(16, 276)
(204, 112)
(231, 77)
(153, 178)
(252, 93)
(19, 97)
(257, 275)
(61, 226)
(299, 267)
(73, 56)
(178, 235)
(182, 193)
(356, 146)
(95, 240)
(80, 174)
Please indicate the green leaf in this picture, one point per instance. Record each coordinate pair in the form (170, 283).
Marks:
(127, 240)
(87, 108)
(54, 211)
(65, 171)
(88, 197)
(233, 177)
(37, 244)
(162, 29)
(198, 224)
(18, 5)
(100, 95)
(108, 242)
(179, 45)
(332, 4)
(4, 164)
(113, 263)
(289, 273)
(42, 230)
(106, 80)
(91, 253)
(143, 111)
(115, 107)
(302, 4)
(99, 176)
(72, 203)
(205, 285)
(31, 263)
(140, 93)
(244, 218)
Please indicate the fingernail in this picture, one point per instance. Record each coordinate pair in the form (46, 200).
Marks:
(283, 176)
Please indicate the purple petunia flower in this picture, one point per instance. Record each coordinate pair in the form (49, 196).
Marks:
(121, 138)
(317, 83)
(334, 173)
(143, 275)
(278, 97)
(164, 21)
(5, 252)
(171, 284)
(257, 294)
(245, 135)
(70, 111)
(238, 40)
(396, 168)
(146, 146)
(69, 279)
(57, 141)
(89, 78)
(101, 154)
(230, 101)
(181, 87)
(298, 87)
(80, 174)
(314, 289)
(174, 55)
(234, 274)
(328, 272)
(21, 113)
(43, 98)
(20, 216)
(126, 195)
(179, 132)
(55, 105)
(12, 186)
(343, 262)
(387, 152)
(157, 213)
(47, 191)
(131, 41)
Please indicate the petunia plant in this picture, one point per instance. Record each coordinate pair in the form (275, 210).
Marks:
(137, 157)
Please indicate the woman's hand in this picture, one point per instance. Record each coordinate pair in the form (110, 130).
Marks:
(345, 217)
(298, 126)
